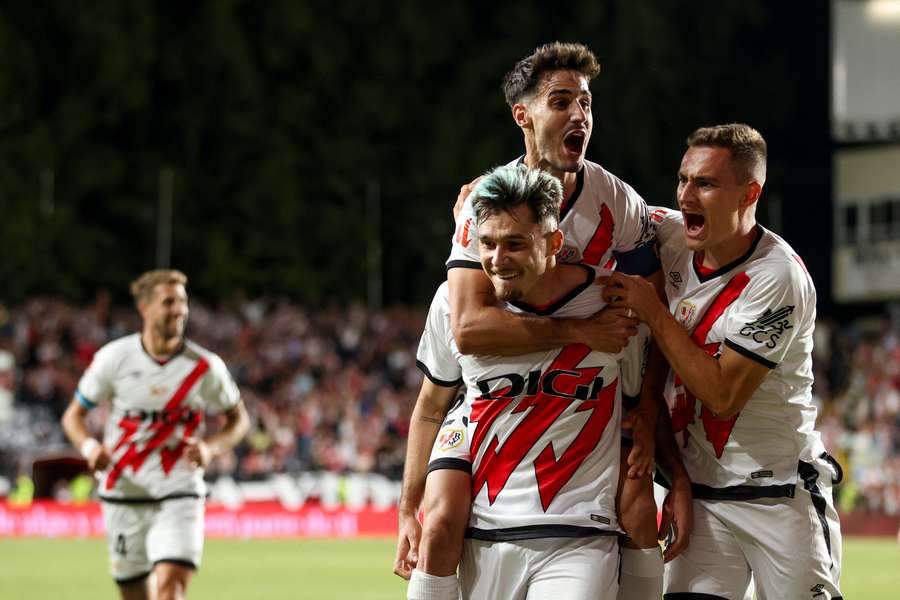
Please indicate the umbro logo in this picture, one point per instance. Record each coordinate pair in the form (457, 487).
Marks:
(675, 278)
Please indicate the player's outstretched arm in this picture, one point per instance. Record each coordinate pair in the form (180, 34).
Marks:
(73, 424)
(237, 423)
(723, 385)
(678, 507)
(481, 327)
(431, 407)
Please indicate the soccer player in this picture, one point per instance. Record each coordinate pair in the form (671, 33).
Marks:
(738, 333)
(538, 432)
(158, 385)
(601, 216)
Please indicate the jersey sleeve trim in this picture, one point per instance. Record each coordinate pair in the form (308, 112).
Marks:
(751, 355)
(441, 382)
(83, 400)
(455, 464)
(463, 264)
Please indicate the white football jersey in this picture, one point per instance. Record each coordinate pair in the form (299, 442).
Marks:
(542, 428)
(154, 408)
(603, 215)
(763, 306)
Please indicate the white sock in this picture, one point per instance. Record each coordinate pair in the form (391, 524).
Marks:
(423, 586)
(642, 574)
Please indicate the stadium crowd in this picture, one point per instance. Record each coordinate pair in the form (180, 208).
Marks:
(331, 389)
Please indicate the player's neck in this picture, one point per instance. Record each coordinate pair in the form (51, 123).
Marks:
(569, 180)
(557, 281)
(717, 256)
(158, 347)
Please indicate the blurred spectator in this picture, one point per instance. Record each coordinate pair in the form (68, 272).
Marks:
(327, 390)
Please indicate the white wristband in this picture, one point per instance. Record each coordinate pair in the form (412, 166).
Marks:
(87, 447)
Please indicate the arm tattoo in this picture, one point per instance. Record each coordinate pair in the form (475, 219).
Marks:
(430, 420)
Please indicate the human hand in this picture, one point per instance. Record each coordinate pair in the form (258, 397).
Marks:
(410, 532)
(635, 294)
(99, 458)
(197, 452)
(464, 192)
(677, 515)
(607, 330)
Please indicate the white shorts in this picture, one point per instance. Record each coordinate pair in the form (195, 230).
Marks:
(791, 547)
(140, 535)
(451, 449)
(537, 569)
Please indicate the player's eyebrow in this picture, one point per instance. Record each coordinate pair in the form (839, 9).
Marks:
(516, 237)
(682, 176)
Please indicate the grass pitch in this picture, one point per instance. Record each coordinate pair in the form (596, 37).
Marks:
(313, 569)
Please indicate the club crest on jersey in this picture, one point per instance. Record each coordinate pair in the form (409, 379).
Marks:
(569, 254)
(769, 327)
(685, 312)
(450, 438)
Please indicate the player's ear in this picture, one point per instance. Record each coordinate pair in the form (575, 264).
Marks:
(521, 116)
(754, 190)
(555, 239)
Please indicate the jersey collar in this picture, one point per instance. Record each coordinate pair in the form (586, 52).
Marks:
(703, 276)
(548, 309)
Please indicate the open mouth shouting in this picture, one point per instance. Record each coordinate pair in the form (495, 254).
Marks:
(574, 141)
(694, 224)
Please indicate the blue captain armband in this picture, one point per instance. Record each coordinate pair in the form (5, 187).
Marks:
(82, 400)
(641, 261)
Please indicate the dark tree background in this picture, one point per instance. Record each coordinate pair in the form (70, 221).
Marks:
(277, 117)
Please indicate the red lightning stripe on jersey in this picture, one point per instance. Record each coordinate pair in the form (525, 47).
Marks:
(717, 430)
(162, 429)
(602, 238)
(496, 467)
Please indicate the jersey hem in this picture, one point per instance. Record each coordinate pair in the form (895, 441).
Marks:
(742, 492)
(441, 382)
(528, 532)
(750, 354)
(148, 499)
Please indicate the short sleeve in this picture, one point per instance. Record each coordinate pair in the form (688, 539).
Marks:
(435, 356)
(96, 384)
(219, 392)
(769, 314)
(464, 248)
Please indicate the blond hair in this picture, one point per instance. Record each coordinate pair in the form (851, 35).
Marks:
(142, 287)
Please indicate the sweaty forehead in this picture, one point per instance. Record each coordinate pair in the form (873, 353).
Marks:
(563, 81)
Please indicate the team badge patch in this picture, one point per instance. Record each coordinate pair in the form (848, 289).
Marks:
(684, 313)
(569, 254)
(449, 439)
